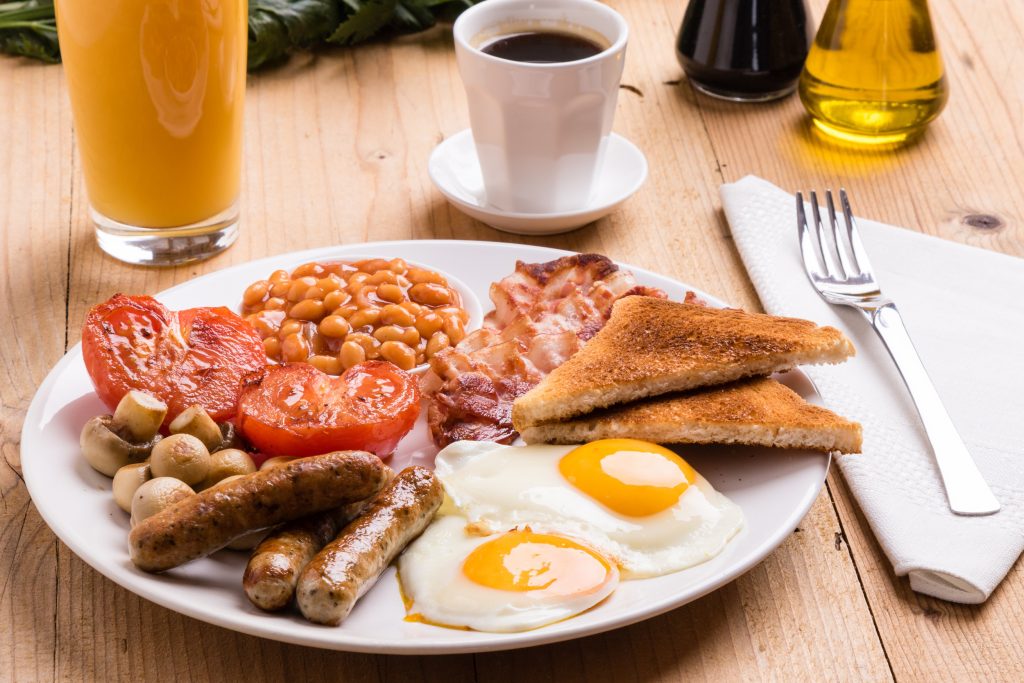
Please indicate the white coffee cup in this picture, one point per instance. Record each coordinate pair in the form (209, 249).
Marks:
(540, 129)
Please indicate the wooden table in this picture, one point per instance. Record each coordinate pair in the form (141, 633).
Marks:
(336, 153)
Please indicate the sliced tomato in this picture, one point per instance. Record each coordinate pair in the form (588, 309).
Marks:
(296, 410)
(193, 357)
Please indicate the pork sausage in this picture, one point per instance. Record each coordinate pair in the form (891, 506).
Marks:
(208, 521)
(275, 564)
(350, 564)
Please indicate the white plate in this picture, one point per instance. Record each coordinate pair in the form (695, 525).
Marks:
(455, 170)
(774, 488)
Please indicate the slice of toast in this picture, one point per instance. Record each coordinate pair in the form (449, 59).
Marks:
(652, 346)
(759, 412)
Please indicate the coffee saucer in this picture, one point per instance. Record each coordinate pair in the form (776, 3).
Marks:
(455, 170)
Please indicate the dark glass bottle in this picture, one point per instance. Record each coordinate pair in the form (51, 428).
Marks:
(745, 50)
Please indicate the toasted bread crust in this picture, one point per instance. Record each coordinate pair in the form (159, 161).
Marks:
(757, 411)
(651, 347)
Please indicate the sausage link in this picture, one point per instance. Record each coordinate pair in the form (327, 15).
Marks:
(206, 522)
(275, 564)
(343, 571)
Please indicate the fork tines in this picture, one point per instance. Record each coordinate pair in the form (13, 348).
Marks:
(832, 253)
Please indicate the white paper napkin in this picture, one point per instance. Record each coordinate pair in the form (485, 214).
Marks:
(964, 308)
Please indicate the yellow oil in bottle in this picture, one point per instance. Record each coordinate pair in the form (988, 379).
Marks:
(874, 74)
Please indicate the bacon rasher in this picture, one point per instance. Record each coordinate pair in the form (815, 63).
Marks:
(543, 313)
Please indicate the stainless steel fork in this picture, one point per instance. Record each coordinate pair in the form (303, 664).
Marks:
(838, 267)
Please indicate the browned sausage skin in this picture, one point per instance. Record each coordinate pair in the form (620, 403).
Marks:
(206, 522)
(275, 564)
(344, 570)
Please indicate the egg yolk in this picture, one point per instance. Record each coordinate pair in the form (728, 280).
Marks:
(632, 477)
(521, 560)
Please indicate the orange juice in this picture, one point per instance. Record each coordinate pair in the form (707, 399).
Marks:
(157, 88)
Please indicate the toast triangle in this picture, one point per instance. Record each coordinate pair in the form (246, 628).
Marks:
(758, 412)
(652, 346)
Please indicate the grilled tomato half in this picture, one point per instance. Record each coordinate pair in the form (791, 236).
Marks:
(193, 357)
(297, 410)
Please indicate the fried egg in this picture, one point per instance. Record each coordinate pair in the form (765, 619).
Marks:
(512, 581)
(638, 504)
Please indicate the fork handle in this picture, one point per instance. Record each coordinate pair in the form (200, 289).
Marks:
(966, 490)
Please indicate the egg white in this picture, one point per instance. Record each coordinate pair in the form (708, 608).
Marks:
(500, 487)
(432, 579)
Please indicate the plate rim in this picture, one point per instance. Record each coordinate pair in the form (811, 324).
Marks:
(488, 642)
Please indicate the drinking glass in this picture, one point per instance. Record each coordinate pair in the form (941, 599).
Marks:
(157, 90)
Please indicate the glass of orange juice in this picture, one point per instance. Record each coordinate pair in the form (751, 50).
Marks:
(157, 90)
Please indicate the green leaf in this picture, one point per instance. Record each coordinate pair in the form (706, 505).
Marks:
(276, 27)
(29, 28)
(366, 19)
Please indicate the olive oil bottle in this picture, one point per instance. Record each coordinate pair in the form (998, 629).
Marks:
(874, 74)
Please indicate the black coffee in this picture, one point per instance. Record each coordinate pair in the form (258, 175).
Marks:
(542, 47)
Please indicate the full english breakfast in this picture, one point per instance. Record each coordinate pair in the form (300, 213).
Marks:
(268, 431)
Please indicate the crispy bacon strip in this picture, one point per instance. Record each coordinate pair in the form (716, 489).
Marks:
(543, 314)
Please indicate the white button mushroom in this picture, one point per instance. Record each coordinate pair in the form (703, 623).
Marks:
(156, 495)
(227, 463)
(197, 422)
(106, 451)
(181, 456)
(138, 416)
(127, 481)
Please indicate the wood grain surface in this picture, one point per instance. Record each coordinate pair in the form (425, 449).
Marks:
(336, 150)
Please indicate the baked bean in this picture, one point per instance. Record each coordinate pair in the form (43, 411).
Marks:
(373, 265)
(390, 292)
(429, 323)
(335, 326)
(297, 292)
(368, 342)
(412, 307)
(346, 311)
(393, 314)
(336, 298)
(289, 327)
(438, 342)
(399, 354)
(382, 276)
(362, 297)
(266, 323)
(364, 317)
(421, 275)
(255, 292)
(294, 348)
(308, 309)
(272, 346)
(406, 335)
(351, 354)
(356, 282)
(454, 328)
(449, 311)
(305, 269)
(335, 315)
(430, 294)
(389, 333)
(330, 283)
(328, 364)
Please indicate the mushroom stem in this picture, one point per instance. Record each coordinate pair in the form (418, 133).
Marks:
(138, 416)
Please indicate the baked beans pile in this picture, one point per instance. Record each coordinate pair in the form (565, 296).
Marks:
(335, 315)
